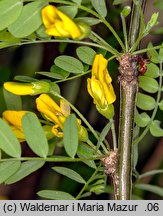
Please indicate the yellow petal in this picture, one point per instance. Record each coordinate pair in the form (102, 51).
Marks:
(19, 88)
(89, 87)
(103, 76)
(56, 132)
(107, 77)
(60, 28)
(95, 66)
(49, 15)
(59, 24)
(48, 108)
(99, 65)
(52, 31)
(97, 92)
(61, 120)
(109, 93)
(102, 65)
(46, 101)
(14, 118)
(99, 69)
(69, 25)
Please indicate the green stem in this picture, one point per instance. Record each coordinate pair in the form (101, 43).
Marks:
(136, 18)
(102, 137)
(154, 111)
(93, 147)
(73, 77)
(124, 32)
(147, 49)
(52, 159)
(100, 142)
(95, 37)
(57, 41)
(113, 32)
(140, 9)
(113, 134)
(88, 182)
(104, 148)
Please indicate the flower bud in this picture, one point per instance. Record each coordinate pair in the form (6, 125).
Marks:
(32, 88)
(126, 11)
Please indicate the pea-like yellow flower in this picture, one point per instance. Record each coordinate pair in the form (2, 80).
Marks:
(100, 88)
(58, 114)
(32, 88)
(14, 120)
(58, 24)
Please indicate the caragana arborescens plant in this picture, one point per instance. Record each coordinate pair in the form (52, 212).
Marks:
(58, 123)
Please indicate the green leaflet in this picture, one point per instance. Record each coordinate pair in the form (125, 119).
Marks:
(7, 169)
(142, 119)
(149, 173)
(70, 11)
(100, 7)
(77, 1)
(8, 140)
(153, 54)
(69, 64)
(86, 54)
(152, 70)
(155, 129)
(88, 20)
(70, 135)
(9, 12)
(13, 102)
(35, 135)
(25, 169)
(28, 21)
(148, 84)
(152, 188)
(69, 173)
(116, 2)
(55, 195)
(85, 151)
(145, 102)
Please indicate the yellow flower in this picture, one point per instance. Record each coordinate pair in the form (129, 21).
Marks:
(100, 88)
(58, 114)
(14, 120)
(32, 88)
(58, 24)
